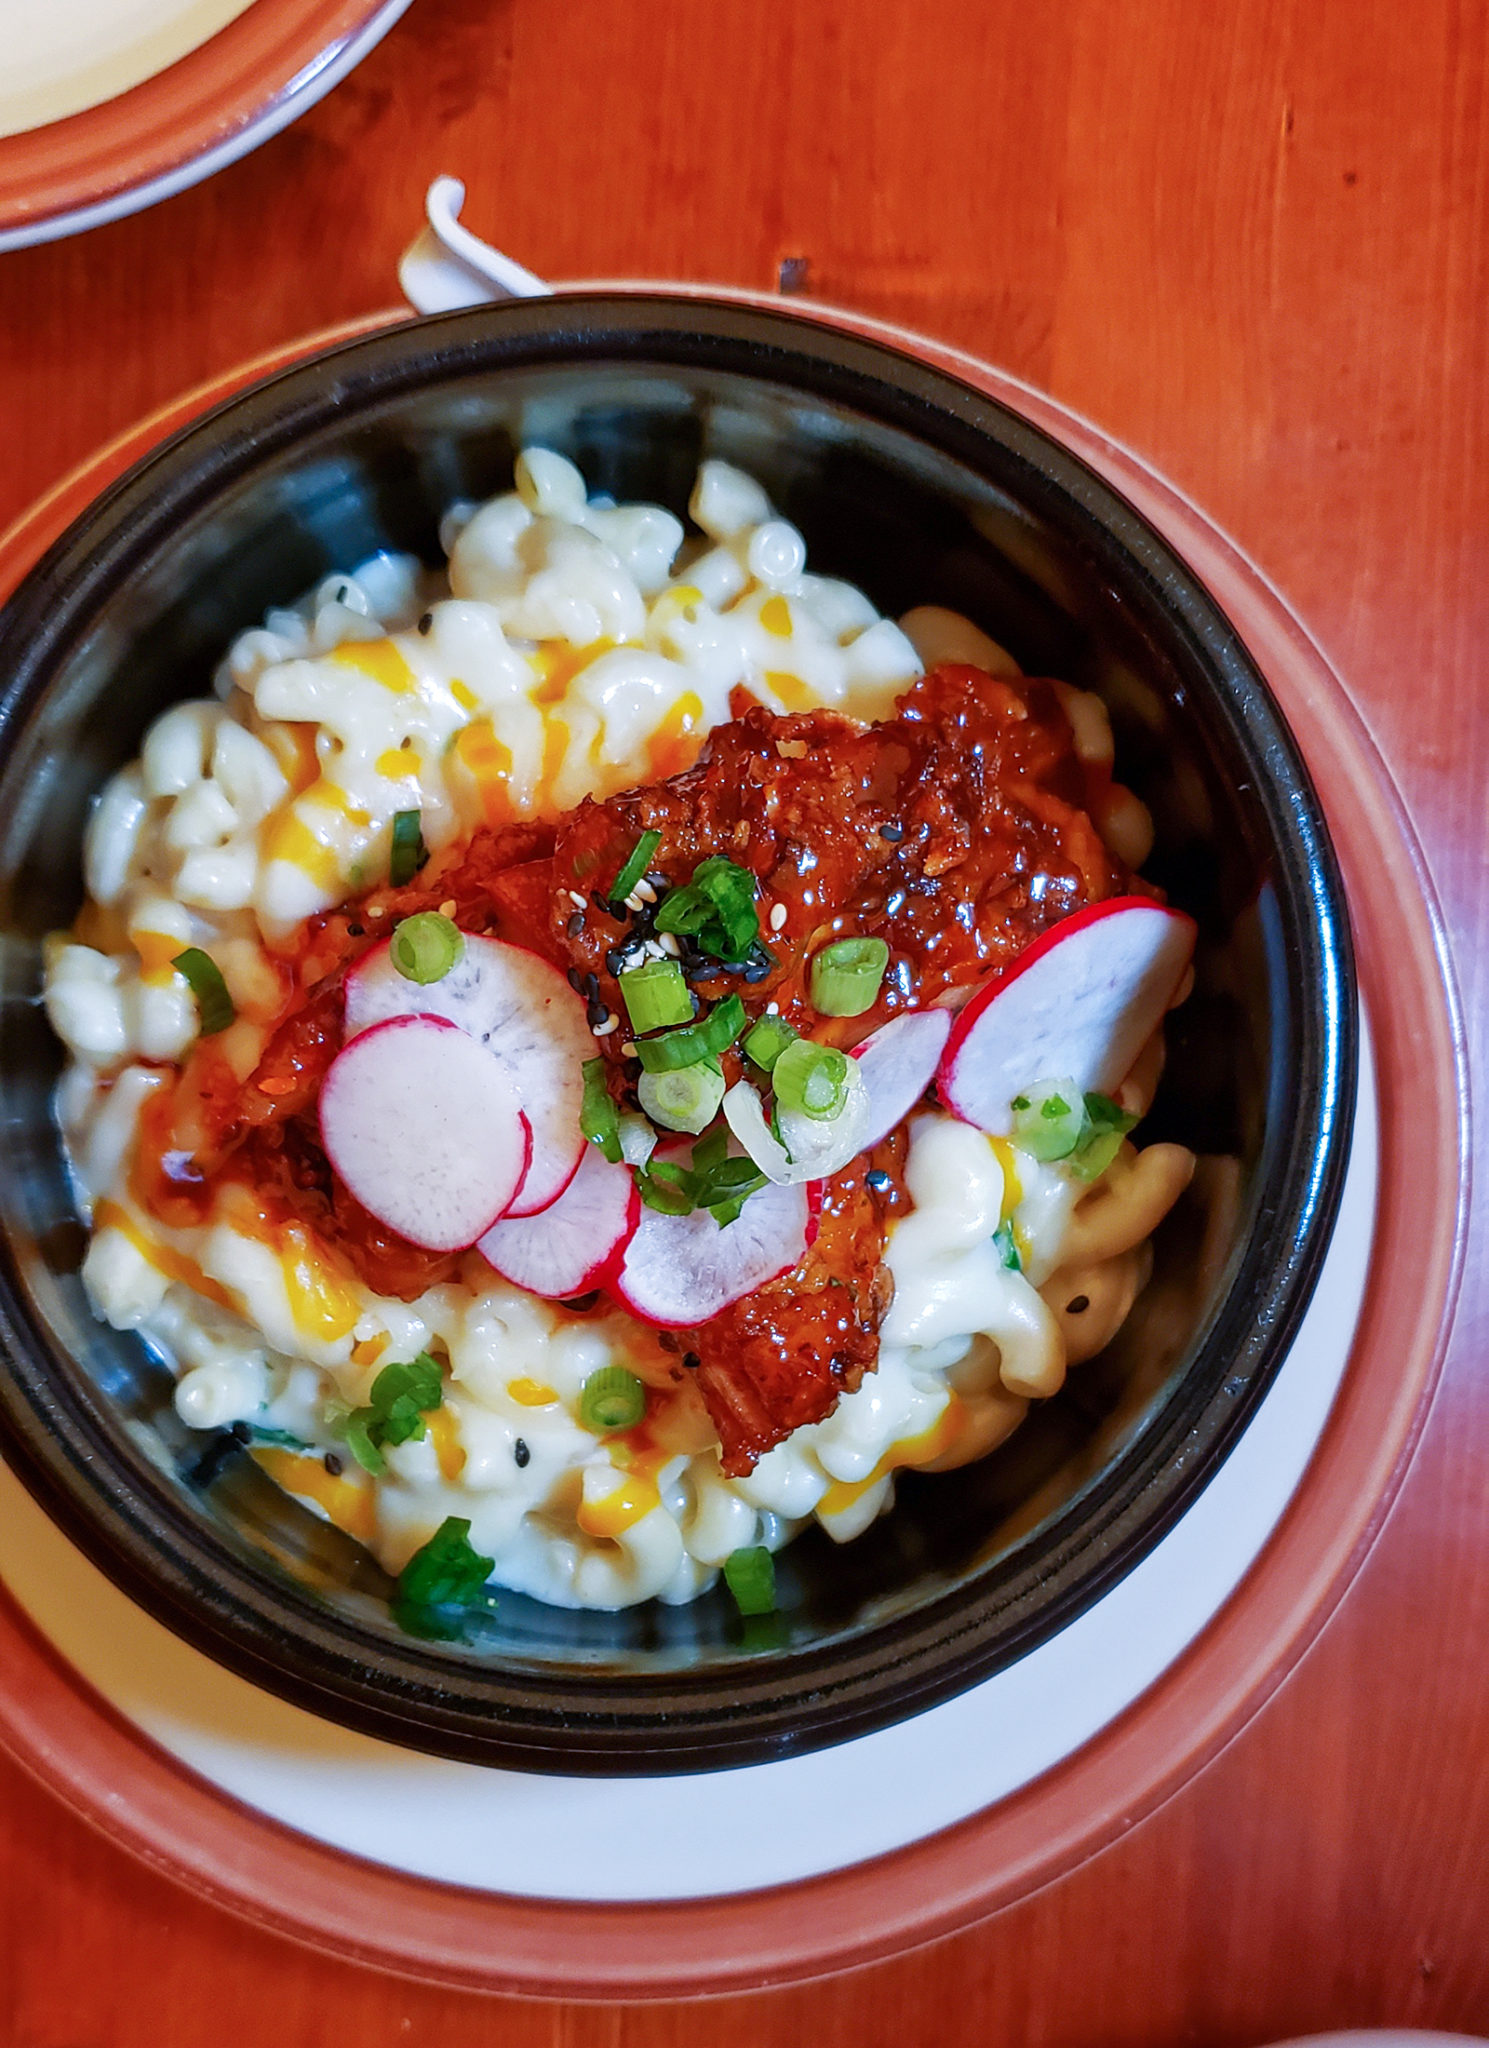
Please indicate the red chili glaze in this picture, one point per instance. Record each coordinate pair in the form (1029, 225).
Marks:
(955, 831)
(783, 1355)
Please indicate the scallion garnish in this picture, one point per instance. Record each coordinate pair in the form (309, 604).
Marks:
(811, 1079)
(1107, 1124)
(637, 863)
(599, 1119)
(767, 1041)
(683, 1098)
(705, 1040)
(1048, 1120)
(443, 1584)
(716, 909)
(409, 852)
(401, 1397)
(1006, 1246)
(612, 1398)
(750, 1576)
(846, 976)
(424, 948)
(214, 1006)
(656, 994)
(717, 1181)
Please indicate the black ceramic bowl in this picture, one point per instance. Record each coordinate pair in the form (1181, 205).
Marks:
(922, 491)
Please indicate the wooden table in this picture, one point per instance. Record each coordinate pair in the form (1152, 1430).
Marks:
(1252, 239)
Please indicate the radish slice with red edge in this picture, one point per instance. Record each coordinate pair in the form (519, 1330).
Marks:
(529, 1020)
(425, 1130)
(680, 1270)
(898, 1063)
(574, 1244)
(1081, 1002)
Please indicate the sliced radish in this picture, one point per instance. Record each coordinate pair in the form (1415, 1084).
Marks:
(577, 1241)
(898, 1063)
(425, 1129)
(679, 1270)
(526, 1015)
(1081, 1002)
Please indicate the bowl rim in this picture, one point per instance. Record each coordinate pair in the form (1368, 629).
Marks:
(140, 1533)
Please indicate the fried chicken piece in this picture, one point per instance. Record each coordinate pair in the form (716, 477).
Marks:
(782, 1355)
(954, 831)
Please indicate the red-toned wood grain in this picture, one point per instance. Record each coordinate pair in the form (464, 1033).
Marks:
(1253, 240)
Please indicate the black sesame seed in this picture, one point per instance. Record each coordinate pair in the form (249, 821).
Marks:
(521, 1453)
(356, 931)
(575, 978)
(333, 1464)
(426, 622)
(757, 970)
(242, 1432)
(691, 1360)
(592, 986)
(602, 902)
(877, 1180)
(893, 833)
(615, 960)
(595, 1014)
(575, 924)
(657, 880)
(1078, 1306)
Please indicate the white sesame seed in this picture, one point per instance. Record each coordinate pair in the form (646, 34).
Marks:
(611, 1023)
(579, 902)
(628, 1049)
(633, 901)
(778, 917)
(645, 891)
(447, 908)
(671, 946)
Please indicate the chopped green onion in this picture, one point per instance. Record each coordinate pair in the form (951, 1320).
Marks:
(727, 1211)
(401, 1397)
(846, 976)
(409, 851)
(717, 909)
(424, 948)
(750, 1576)
(1048, 1120)
(214, 1006)
(1005, 1244)
(811, 1079)
(637, 862)
(599, 1119)
(704, 1040)
(710, 1153)
(767, 1041)
(1107, 1124)
(718, 1181)
(637, 1138)
(655, 994)
(663, 1195)
(444, 1573)
(612, 1398)
(683, 1098)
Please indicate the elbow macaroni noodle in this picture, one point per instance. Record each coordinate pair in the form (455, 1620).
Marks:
(577, 647)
